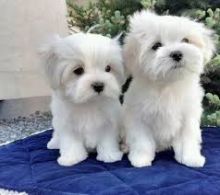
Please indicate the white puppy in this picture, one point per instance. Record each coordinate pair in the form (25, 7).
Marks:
(162, 109)
(85, 72)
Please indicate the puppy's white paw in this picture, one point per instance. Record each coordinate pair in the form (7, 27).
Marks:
(109, 157)
(192, 160)
(52, 144)
(140, 159)
(68, 160)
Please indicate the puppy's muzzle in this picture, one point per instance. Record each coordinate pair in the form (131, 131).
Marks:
(98, 86)
(176, 56)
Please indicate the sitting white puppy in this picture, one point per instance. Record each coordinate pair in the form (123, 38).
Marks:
(162, 109)
(85, 72)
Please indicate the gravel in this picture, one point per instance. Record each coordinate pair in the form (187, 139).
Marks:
(20, 127)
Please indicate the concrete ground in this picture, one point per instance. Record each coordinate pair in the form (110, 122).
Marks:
(20, 118)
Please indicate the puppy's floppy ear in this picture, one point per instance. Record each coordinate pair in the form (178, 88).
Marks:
(49, 57)
(209, 43)
(118, 38)
(130, 52)
(119, 67)
(143, 23)
(142, 26)
(117, 60)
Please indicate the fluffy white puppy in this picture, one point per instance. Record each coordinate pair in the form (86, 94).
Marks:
(85, 72)
(162, 108)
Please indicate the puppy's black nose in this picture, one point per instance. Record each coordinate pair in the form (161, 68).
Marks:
(176, 55)
(98, 87)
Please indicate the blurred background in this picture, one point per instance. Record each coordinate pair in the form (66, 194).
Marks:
(26, 24)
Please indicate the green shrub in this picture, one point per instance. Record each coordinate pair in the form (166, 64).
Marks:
(212, 110)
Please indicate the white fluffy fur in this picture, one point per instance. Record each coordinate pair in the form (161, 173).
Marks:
(162, 107)
(84, 120)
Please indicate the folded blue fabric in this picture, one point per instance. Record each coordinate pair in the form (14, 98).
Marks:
(26, 165)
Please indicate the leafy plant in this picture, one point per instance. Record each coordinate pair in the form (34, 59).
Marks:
(212, 110)
(110, 15)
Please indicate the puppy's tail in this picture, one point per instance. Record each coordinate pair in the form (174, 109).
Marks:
(93, 27)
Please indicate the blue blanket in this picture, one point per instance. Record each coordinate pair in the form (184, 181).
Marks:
(26, 165)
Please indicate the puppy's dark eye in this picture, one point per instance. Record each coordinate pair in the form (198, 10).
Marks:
(156, 46)
(79, 71)
(108, 68)
(185, 40)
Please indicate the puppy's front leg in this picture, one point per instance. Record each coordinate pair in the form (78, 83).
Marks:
(141, 144)
(72, 150)
(108, 148)
(187, 144)
(54, 141)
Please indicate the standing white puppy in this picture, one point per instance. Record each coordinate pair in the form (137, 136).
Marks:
(162, 109)
(85, 72)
